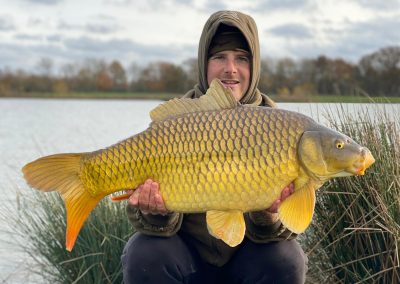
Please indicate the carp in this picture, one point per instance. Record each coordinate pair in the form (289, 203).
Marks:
(209, 155)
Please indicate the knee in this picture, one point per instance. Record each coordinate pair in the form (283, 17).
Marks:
(275, 262)
(143, 249)
(291, 261)
(149, 259)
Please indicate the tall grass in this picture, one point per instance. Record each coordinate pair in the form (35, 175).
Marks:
(355, 235)
(96, 255)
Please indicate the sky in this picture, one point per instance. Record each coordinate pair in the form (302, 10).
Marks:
(143, 31)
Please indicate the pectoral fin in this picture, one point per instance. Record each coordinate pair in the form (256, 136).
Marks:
(297, 210)
(228, 226)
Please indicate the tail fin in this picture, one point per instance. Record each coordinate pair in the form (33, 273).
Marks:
(61, 173)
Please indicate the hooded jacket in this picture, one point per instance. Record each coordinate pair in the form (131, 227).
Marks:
(261, 227)
(247, 26)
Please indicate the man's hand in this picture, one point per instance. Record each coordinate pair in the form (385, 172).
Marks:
(147, 198)
(286, 192)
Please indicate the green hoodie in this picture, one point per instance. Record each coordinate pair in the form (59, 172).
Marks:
(261, 227)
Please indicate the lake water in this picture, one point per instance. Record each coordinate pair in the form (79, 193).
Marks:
(30, 128)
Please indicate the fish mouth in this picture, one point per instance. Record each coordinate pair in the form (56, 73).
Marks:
(366, 160)
(120, 195)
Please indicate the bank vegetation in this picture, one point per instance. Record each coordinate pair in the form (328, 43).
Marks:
(376, 74)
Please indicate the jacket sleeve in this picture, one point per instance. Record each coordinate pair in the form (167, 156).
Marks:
(264, 227)
(156, 225)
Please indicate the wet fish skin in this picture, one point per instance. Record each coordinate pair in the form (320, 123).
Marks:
(232, 159)
(209, 155)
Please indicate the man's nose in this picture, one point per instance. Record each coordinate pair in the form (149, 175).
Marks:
(230, 66)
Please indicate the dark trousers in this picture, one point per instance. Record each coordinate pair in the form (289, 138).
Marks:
(149, 259)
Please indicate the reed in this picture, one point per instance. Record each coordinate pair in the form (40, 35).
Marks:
(355, 236)
(96, 255)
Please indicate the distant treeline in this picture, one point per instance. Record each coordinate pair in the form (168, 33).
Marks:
(376, 74)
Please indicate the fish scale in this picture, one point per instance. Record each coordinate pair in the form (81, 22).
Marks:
(202, 159)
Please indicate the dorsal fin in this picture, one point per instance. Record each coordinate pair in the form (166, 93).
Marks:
(217, 97)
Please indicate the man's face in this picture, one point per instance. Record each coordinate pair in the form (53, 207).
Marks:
(232, 67)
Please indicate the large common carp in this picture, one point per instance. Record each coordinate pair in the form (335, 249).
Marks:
(209, 155)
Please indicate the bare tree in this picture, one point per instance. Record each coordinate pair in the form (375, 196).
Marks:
(380, 72)
(118, 76)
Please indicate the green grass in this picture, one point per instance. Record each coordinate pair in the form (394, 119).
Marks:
(355, 236)
(97, 252)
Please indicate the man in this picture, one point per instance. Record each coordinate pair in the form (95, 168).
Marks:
(177, 248)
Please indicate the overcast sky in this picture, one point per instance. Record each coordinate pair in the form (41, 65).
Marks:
(143, 31)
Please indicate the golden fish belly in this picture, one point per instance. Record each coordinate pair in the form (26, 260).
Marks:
(232, 159)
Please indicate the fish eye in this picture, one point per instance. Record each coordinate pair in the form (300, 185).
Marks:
(339, 144)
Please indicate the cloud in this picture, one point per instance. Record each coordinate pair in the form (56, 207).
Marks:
(276, 5)
(28, 37)
(90, 44)
(369, 36)
(6, 23)
(387, 5)
(100, 28)
(104, 32)
(189, 3)
(150, 5)
(117, 2)
(17, 56)
(212, 6)
(54, 38)
(120, 48)
(25, 53)
(165, 6)
(100, 24)
(44, 2)
(378, 29)
(291, 30)
(352, 41)
(63, 25)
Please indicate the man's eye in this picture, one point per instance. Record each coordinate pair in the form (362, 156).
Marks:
(244, 58)
(218, 57)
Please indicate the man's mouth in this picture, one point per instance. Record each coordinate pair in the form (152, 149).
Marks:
(230, 83)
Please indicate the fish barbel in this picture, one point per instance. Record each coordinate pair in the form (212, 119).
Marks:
(209, 155)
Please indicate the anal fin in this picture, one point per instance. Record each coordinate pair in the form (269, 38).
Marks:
(228, 226)
(297, 210)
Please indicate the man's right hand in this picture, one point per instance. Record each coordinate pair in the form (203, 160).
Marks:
(147, 198)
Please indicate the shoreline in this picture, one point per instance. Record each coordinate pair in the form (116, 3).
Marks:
(168, 96)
